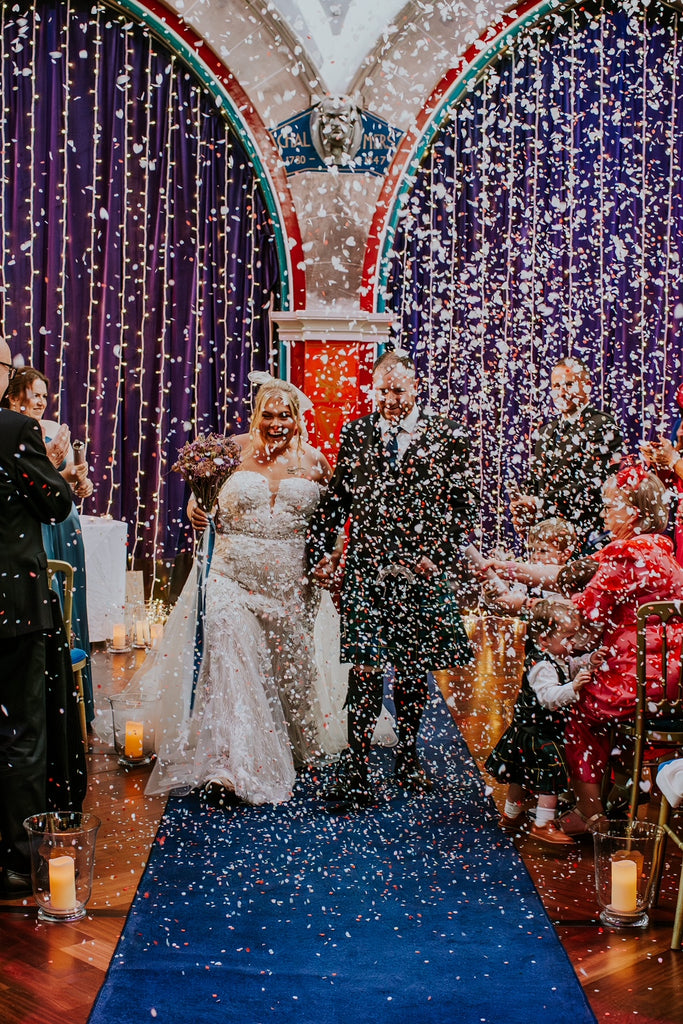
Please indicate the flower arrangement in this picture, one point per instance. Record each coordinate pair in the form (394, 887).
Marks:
(205, 464)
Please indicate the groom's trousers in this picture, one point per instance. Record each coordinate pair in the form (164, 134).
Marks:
(364, 704)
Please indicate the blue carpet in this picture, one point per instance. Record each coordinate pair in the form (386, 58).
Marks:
(415, 912)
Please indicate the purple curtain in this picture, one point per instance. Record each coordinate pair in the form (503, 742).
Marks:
(547, 219)
(138, 256)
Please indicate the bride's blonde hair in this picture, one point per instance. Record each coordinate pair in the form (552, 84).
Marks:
(290, 396)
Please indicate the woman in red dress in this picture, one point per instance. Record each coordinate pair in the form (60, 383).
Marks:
(636, 567)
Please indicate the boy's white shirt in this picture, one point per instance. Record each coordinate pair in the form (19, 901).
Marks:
(544, 680)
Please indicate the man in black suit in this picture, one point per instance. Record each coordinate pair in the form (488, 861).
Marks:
(401, 482)
(574, 454)
(31, 492)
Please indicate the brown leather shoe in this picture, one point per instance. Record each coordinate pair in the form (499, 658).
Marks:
(515, 824)
(550, 835)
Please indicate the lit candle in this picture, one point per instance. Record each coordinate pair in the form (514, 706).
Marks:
(624, 886)
(157, 632)
(141, 633)
(132, 746)
(118, 636)
(62, 875)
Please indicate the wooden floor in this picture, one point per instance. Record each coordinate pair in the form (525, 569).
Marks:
(51, 974)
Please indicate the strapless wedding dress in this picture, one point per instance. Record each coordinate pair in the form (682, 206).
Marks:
(270, 691)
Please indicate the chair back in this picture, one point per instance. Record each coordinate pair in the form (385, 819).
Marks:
(55, 566)
(659, 695)
(660, 660)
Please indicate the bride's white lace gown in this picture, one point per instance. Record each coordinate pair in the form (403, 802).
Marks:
(270, 689)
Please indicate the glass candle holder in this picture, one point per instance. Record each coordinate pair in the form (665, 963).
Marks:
(133, 727)
(62, 846)
(140, 631)
(624, 880)
(120, 629)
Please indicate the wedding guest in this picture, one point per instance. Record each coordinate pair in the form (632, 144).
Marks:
(637, 566)
(269, 693)
(31, 493)
(529, 756)
(670, 781)
(28, 394)
(573, 456)
(402, 484)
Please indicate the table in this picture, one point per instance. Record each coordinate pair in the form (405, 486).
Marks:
(105, 542)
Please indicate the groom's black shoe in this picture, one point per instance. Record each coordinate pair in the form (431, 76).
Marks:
(215, 794)
(349, 790)
(410, 774)
(14, 885)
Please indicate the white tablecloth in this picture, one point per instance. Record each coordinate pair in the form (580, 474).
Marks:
(105, 568)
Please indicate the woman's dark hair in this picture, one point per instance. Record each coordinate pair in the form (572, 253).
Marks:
(21, 383)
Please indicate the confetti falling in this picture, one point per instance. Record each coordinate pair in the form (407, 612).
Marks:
(289, 913)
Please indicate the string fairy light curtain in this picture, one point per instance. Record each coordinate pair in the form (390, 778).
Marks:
(546, 219)
(138, 260)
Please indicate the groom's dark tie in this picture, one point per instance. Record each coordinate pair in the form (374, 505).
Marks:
(391, 444)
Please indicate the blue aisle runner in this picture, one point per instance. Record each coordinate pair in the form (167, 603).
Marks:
(418, 911)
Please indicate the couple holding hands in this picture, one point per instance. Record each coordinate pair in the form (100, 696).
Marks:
(271, 695)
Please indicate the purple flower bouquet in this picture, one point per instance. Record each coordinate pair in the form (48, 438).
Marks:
(205, 464)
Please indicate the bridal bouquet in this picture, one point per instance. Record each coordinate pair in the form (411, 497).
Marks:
(205, 464)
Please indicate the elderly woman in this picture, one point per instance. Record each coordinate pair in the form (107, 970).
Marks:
(28, 394)
(636, 567)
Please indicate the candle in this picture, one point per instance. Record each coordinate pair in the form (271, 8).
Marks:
(62, 875)
(132, 746)
(157, 632)
(141, 633)
(624, 886)
(118, 636)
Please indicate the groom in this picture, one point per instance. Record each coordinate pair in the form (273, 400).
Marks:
(402, 483)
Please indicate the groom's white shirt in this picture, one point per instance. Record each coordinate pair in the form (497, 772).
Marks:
(408, 429)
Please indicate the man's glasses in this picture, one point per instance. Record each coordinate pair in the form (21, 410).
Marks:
(12, 371)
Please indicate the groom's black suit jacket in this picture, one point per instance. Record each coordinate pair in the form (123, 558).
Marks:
(31, 492)
(424, 507)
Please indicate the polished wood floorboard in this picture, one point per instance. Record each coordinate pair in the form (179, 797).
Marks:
(51, 974)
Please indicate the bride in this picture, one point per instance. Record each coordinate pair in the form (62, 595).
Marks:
(267, 699)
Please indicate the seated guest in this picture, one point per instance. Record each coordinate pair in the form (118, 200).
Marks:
(28, 393)
(637, 566)
(573, 456)
(665, 456)
(670, 781)
(529, 756)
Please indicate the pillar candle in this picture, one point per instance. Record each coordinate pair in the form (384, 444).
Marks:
(62, 876)
(118, 636)
(157, 632)
(132, 746)
(141, 632)
(624, 886)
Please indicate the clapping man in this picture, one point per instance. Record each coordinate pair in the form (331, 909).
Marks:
(575, 452)
(401, 482)
(31, 492)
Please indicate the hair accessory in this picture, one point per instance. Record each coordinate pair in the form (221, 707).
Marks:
(261, 377)
(631, 474)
